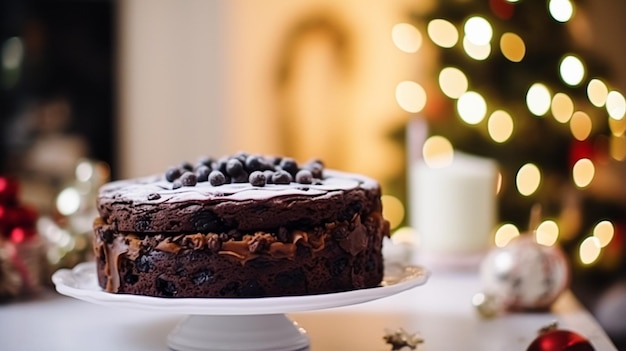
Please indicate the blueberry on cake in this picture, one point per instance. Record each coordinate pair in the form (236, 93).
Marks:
(242, 226)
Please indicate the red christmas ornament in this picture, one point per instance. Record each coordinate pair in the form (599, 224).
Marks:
(502, 9)
(20, 215)
(554, 339)
(14, 217)
(9, 189)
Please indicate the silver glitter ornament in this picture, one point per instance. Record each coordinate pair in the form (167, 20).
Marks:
(525, 275)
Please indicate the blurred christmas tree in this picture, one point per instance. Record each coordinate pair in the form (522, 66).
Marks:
(515, 84)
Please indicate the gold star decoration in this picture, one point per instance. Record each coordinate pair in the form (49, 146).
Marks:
(548, 328)
(400, 339)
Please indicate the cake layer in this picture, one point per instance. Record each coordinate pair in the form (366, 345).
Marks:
(337, 256)
(151, 205)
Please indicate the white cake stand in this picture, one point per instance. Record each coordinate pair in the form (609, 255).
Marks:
(232, 323)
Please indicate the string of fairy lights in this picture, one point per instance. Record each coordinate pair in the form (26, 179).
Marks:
(479, 40)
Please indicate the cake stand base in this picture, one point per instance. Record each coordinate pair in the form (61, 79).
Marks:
(270, 332)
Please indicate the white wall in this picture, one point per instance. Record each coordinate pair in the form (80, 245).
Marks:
(171, 70)
(199, 77)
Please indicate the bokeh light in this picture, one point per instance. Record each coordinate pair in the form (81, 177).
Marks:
(580, 125)
(528, 179)
(562, 107)
(453, 82)
(504, 234)
(410, 96)
(84, 171)
(538, 99)
(471, 107)
(547, 233)
(393, 210)
(572, 70)
(406, 37)
(561, 10)
(477, 52)
(405, 235)
(437, 152)
(478, 30)
(68, 201)
(597, 92)
(583, 172)
(618, 127)
(589, 250)
(442, 33)
(617, 147)
(500, 126)
(615, 105)
(17, 235)
(512, 47)
(12, 53)
(604, 231)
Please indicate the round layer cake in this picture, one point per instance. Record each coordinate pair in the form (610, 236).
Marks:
(240, 226)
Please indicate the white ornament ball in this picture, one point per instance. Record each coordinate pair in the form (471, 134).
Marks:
(525, 274)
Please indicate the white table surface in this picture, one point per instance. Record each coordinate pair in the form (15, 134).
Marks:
(440, 311)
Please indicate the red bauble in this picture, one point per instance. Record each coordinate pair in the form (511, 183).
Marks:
(17, 216)
(9, 189)
(560, 340)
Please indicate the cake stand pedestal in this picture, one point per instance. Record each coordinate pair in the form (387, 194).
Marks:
(215, 324)
(271, 332)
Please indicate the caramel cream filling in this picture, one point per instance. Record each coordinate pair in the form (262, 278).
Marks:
(244, 252)
(112, 254)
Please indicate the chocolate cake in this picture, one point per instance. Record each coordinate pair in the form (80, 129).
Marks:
(241, 226)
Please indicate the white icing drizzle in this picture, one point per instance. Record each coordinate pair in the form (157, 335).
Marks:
(137, 190)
